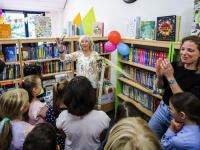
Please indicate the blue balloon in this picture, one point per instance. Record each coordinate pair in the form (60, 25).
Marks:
(123, 49)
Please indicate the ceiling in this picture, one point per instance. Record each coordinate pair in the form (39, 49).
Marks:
(33, 5)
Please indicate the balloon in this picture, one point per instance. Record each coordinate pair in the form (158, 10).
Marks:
(123, 49)
(1, 19)
(1, 12)
(114, 37)
(109, 47)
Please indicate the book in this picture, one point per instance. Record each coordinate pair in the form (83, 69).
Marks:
(147, 30)
(98, 29)
(132, 27)
(195, 19)
(166, 28)
(10, 53)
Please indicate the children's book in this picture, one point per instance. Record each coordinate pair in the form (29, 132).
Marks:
(98, 29)
(147, 30)
(195, 19)
(42, 26)
(132, 27)
(10, 53)
(166, 28)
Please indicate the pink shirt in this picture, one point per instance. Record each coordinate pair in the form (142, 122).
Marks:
(34, 110)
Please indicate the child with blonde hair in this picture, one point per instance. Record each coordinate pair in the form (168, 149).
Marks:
(59, 94)
(132, 133)
(37, 110)
(184, 132)
(13, 130)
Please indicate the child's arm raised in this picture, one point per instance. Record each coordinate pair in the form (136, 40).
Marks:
(43, 112)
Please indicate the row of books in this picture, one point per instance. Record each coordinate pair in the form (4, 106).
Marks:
(98, 46)
(11, 72)
(144, 77)
(42, 52)
(164, 30)
(51, 66)
(140, 97)
(145, 57)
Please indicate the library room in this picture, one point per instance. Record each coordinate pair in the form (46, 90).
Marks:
(99, 75)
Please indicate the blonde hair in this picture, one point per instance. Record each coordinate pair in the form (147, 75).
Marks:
(89, 39)
(11, 103)
(28, 84)
(132, 133)
(59, 90)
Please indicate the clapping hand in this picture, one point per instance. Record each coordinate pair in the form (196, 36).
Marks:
(167, 69)
(59, 43)
(159, 70)
(175, 126)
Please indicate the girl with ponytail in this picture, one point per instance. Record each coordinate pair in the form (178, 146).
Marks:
(59, 90)
(13, 104)
(184, 132)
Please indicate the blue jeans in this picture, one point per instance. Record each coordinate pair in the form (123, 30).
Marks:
(161, 120)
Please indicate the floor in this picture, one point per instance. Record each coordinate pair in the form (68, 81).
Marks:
(111, 115)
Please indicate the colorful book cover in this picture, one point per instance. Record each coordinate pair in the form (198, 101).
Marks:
(166, 28)
(98, 29)
(132, 27)
(10, 53)
(42, 26)
(25, 53)
(147, 30)
(196, 19)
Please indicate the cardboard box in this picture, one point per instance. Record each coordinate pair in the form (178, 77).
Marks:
(107, 98)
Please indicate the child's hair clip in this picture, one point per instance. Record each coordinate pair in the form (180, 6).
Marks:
(23, 81)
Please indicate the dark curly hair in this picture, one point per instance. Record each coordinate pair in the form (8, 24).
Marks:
(81, 97)
(33, 70)
(2, 66)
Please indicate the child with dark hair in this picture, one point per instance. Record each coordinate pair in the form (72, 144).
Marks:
(2, 66)
(83, 126)
(127, 109)
(35, 70)
(184, 132)
(59, 90)
(42, 137)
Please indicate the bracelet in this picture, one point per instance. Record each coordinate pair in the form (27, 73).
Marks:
(61, 52)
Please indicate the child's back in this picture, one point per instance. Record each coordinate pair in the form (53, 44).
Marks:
(83, 132)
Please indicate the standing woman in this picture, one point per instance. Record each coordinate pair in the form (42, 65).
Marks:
(85, 63)
(174, 78)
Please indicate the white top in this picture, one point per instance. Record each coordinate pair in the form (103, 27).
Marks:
(85, 66)
(83, 133)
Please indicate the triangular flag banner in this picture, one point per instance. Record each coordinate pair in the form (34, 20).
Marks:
(77, 20)
(20, 20)
(87, 22)
(15, 21)
(26, 20)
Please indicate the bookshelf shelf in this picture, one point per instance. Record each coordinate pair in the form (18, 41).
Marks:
(108, 106)
(104, 54)
(10, 63)
(140, 107)
(8, 41)
(139, 87)
(93, 38)
(53, 74)
(138, 65)
(40, 60)
(11, 81)
(36, 40)
(154, 43)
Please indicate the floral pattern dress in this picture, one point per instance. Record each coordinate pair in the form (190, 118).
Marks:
(86, 66)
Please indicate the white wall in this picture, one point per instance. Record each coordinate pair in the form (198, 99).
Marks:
(114, 12)
(54, 22)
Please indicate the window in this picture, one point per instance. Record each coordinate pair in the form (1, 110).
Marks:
(19, 28)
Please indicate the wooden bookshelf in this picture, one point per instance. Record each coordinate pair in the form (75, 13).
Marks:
(107, 106)
(9, 41)
(11, 63)
(57, 73)
(140, 107)
(139, 87)
(138, 65)
(40, 60)
(37, 40)
(104, 54)
(11, 81)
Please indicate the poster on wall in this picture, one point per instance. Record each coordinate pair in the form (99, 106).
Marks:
(42, 26)
(196, 19)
